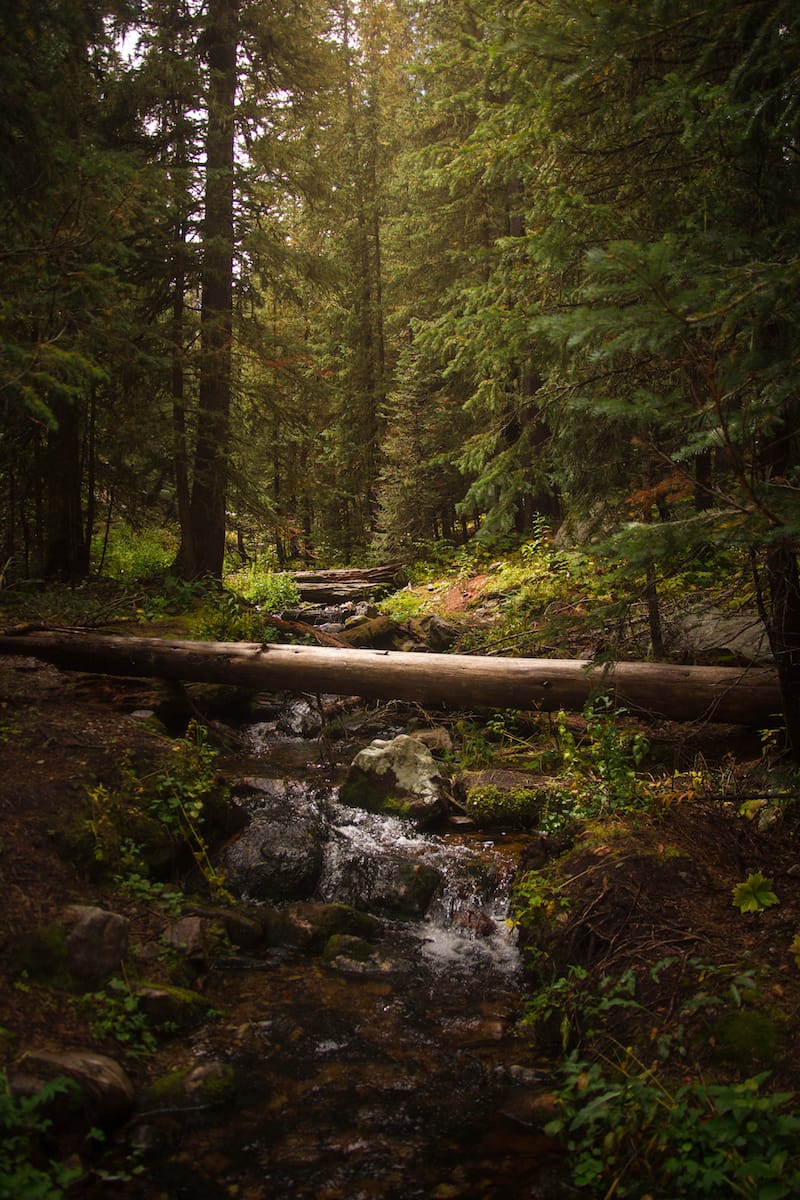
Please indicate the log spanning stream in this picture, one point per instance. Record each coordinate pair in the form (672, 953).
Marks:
(736, 695)
(399, 1074)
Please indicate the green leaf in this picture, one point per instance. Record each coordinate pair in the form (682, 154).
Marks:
(754, 894)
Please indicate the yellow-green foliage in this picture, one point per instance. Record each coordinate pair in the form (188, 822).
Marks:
(142, 823)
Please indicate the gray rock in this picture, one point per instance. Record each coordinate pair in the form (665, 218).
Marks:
(107, 1089)
(398, 777)
(96, 941)
(188, 936)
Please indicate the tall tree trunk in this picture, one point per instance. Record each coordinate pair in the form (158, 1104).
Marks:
(66, 553)
(177, 376)
(784, 633)
(209, 487)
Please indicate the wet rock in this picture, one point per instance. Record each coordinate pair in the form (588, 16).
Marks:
(279, 855)
(300, 719)
(532, 1108)
(354, 957)
(399, 888)
(208, 1084)
(343, 944)
(474, 922)
(244, 930)
(108, 1094)
(398, 777)
(96, 941)
(473, 1031)
(309, 925)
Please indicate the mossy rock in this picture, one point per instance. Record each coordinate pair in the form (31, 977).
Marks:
(308, 925)
(516, 806)
(343, 945)
(208, 1084)
(330, 919)
(174, 1007)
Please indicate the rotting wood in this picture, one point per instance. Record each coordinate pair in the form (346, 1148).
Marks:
(730, 695)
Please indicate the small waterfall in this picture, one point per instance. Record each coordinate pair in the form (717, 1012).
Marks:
(450, 890)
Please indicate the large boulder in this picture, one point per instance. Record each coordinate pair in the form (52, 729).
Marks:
(398, 777)
(96, 942)
(279, 855)
(107, 1093)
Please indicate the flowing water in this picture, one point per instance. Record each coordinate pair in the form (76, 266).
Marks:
(398, 1074)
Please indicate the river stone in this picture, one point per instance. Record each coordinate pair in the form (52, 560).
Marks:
(392, 886)
(506, 798)
(173, 1006)
(398, 777)
(279, 855)
(244, 930)
(191, 938)
(309, 924)
(96, 941)
(108, 1090)
(209, 1083)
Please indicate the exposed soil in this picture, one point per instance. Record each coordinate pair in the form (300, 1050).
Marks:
(60, 735)
(639, 893)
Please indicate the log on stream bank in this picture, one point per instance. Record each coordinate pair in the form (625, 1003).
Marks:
(339, 586)
(729, 695)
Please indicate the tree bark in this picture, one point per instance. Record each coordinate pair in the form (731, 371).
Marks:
(66, 550)
(729, 695)
(209, 485)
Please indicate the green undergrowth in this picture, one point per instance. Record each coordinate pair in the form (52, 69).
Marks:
(665, 1084)
(27, 1171)
(671, 1066)
(144, 827)
(631, 1134)
(547, 598)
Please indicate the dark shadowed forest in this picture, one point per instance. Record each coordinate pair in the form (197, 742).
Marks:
(496, 307)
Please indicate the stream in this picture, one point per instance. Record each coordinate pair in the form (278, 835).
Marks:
(393, 1068)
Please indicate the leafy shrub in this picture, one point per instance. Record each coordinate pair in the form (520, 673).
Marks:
(132, 554)
(629, 1135)
(116, 1013)
(600, 767)
(169, 807)
(270, 590)
(754, 894)
(22, 1125)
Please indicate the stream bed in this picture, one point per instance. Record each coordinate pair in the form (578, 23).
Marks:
(393, 1070)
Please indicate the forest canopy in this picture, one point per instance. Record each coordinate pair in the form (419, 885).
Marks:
(331, 283)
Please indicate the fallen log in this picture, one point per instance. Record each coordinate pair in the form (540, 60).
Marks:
(338, 585)
(388, 573)
(321, 592)
(731, 695)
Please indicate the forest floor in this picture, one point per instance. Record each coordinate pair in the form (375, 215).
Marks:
(639, 892)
